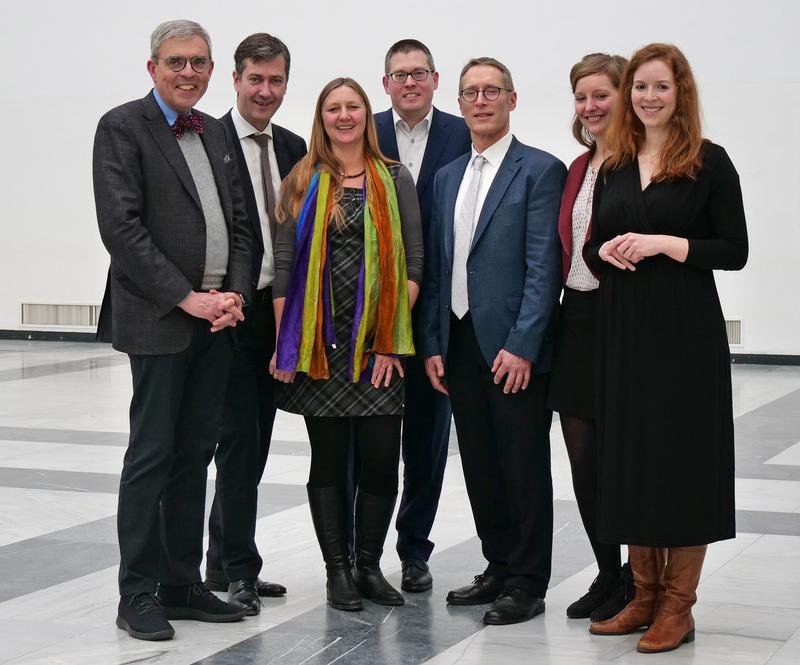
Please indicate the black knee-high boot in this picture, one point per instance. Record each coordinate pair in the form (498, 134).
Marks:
(373, 516)
(328, 508)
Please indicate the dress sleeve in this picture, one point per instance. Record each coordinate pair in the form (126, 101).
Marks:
(726, 247)
(411, 224)
(283, 249)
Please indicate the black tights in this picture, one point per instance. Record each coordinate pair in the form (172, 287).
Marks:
(580, 435)
(377, 441)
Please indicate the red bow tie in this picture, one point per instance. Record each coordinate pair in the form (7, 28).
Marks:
(193, 121)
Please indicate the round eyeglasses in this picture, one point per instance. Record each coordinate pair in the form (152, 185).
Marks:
(490, 93)
(177, 62)
(417, 75)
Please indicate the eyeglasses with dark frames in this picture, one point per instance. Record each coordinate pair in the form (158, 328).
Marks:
(177, 63)
(490, 93)
(417, 75)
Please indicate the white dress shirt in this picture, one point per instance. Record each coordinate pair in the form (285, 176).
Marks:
(494, 156)
(411, 142)
(252, 155)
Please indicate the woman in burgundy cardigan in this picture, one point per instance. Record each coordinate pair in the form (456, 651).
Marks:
(595, 82)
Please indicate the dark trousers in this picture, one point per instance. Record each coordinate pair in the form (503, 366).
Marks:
(241, 456)
(175, 418)
(504, 442)
(426, 434)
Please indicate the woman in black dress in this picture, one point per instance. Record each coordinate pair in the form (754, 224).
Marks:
(595, 82)
(348, 261)
(667, 212)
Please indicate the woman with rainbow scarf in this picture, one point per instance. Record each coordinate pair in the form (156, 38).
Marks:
(348, 262)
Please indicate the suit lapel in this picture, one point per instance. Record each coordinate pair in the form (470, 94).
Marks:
(505, 174)
(281, 152)
(450, 195)
(437, 139)
(168, 144)
(244, 179)
(217, 151)
(386, 135)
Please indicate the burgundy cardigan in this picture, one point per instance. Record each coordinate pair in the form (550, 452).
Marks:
(577, 172)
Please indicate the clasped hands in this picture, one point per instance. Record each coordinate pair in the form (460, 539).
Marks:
(220, 309)
(625, 251)
(515, 369)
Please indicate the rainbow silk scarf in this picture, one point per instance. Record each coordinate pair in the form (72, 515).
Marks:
(382, 316)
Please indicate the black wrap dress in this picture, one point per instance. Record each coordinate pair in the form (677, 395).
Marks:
(666, 465)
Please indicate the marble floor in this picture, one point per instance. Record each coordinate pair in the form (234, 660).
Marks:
(63, 424)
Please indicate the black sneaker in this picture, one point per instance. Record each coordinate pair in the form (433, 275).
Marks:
(620, 596)
(197, 602)
(141, 615)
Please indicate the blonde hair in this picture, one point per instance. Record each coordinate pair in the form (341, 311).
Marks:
(321, 157)
(594, 63)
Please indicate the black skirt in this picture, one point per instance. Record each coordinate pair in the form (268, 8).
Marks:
(572, 380)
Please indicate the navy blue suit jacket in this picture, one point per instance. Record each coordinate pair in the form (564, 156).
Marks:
(448, 138)
(289, 149)
(514, 265)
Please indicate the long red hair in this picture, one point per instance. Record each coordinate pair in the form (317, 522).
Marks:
(680, 156)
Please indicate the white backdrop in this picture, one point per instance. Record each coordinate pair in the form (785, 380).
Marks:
(67, 63)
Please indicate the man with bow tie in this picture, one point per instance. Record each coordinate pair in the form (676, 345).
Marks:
(172, 217)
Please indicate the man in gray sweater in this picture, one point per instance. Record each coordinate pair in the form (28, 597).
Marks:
(172, 217)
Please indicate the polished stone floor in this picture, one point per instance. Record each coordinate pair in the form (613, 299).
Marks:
(63, 424)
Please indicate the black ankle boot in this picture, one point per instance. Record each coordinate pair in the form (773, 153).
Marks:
(328, 512)
(622, 594)
(599, 592)
(373, 516)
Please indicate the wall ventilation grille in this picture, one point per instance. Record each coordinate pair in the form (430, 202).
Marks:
(734, 329)
(34, 314)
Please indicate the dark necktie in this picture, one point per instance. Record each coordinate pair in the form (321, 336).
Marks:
(266, 180)
(193, 121)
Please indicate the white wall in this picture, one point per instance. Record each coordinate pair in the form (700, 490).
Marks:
(67, 63)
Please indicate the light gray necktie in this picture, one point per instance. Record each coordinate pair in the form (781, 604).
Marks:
(266, 180)
(463, 230)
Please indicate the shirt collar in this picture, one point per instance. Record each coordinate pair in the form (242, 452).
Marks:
(425, 122)
(169, 113)
(496, 152)
(244, 128)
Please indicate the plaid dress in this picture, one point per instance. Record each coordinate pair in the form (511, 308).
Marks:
(338, 396)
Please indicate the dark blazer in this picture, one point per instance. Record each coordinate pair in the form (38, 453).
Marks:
(289, 149)
(577, 172)
(152, 224)
(448, 138)
(513, 270)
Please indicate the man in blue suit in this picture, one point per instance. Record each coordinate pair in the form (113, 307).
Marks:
(424, 139)
(488, 304)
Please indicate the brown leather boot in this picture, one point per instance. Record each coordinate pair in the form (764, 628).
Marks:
(674, 623)
(647, 566)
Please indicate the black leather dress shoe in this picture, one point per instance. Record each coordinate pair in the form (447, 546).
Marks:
(196, 602)
(216, 581)
(270, 589)
(243, 592)
(416, 576)
(484, 589)
(142, 616)
(513, 606)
